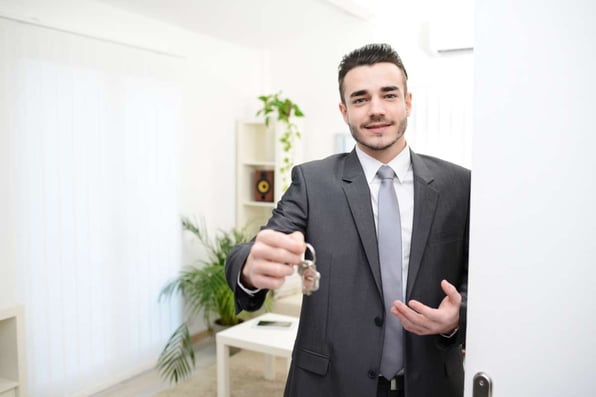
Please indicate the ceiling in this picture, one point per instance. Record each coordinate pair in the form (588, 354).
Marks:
(252, 23)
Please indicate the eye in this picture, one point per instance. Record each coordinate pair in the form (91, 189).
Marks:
(358, 101)
(391, 96)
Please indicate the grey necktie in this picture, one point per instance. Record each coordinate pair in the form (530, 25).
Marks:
(390, 256)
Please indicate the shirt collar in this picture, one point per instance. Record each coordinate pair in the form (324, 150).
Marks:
(400, 164)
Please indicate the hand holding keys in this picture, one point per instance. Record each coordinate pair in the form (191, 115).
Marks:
(307, 269)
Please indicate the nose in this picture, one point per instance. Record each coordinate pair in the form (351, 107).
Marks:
(376, 107)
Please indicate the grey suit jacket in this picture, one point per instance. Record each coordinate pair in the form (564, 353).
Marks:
(340, 336)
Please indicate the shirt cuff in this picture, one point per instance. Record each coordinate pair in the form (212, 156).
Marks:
(451, 334)
(250, 292)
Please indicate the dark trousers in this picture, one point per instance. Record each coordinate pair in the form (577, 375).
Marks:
(386, 389)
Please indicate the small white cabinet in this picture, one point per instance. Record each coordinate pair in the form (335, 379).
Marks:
(13, 382)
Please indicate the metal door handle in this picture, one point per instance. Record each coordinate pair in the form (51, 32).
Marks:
(483, 385)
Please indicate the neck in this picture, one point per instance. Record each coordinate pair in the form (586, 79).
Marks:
(387, 154)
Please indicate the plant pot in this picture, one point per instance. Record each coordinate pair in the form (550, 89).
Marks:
(216, 326)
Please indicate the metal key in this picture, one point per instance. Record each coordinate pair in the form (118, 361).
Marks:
(307, 269)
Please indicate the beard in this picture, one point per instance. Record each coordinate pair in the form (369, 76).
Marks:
(361, 139)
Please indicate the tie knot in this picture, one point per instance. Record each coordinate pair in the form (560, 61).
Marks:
(385, 172)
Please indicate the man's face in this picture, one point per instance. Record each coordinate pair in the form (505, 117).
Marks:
(376, 109)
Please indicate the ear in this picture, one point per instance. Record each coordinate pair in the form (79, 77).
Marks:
(344, 111)
(408, 103)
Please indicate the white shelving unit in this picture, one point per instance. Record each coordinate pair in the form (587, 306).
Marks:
(13, 382)
(257, 148)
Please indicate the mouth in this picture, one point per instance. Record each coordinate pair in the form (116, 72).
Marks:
(377, 126)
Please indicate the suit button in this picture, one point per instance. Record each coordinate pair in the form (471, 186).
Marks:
(379, 321)
(373, 374)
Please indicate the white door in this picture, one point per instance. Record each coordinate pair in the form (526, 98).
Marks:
(532, 287)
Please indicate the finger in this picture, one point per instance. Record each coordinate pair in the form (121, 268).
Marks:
(405, 309)
(408, 324)
(274, 252)
(297, 236)
(406, 314)
(419, 318)
(423, 310)
(293, 243)
(451, 292)
(438, 320)
(272, 269)
(261, 273)
(402, 314)
(262, 281)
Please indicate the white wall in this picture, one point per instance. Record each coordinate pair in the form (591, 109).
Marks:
(7, 214)
(217, 80)
(233, 74)
(221, 80)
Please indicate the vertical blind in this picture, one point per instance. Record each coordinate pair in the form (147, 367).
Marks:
(92, 126)
(441, 123)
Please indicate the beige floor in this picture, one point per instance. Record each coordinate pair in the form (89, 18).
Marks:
(149, 383)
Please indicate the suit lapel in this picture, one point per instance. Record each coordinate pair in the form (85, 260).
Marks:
(358, 195)
(425, 204)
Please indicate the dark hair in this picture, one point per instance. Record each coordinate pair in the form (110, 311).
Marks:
(370, 54)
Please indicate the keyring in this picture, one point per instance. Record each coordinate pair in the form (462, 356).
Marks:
(307, 269)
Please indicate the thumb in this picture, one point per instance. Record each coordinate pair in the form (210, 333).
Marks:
(297, 236)
(450, 291)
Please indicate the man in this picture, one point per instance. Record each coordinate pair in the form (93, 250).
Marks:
(357, 336)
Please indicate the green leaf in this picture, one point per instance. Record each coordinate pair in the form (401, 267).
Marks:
(178, 355)
(205, 292)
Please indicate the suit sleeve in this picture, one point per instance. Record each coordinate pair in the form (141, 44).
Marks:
(462, 286)
(289, 216)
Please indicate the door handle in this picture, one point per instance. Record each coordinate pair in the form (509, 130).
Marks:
(482, 385)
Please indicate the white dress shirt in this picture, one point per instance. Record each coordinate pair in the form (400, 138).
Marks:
(404, 188)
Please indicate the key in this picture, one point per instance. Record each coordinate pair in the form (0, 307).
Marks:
(307, 269)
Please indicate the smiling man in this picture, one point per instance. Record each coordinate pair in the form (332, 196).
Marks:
(376, 106)
(391, 232)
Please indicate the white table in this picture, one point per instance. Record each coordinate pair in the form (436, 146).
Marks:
(273, 341)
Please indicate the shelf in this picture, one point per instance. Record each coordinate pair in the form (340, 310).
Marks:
(12, 353)
(265, 204)
(6, 385)
(255, 144)
(258, 148)
(265, 164)
(255, 151)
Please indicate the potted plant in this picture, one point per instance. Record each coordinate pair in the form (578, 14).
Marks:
(204, 289)
(285, 110)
